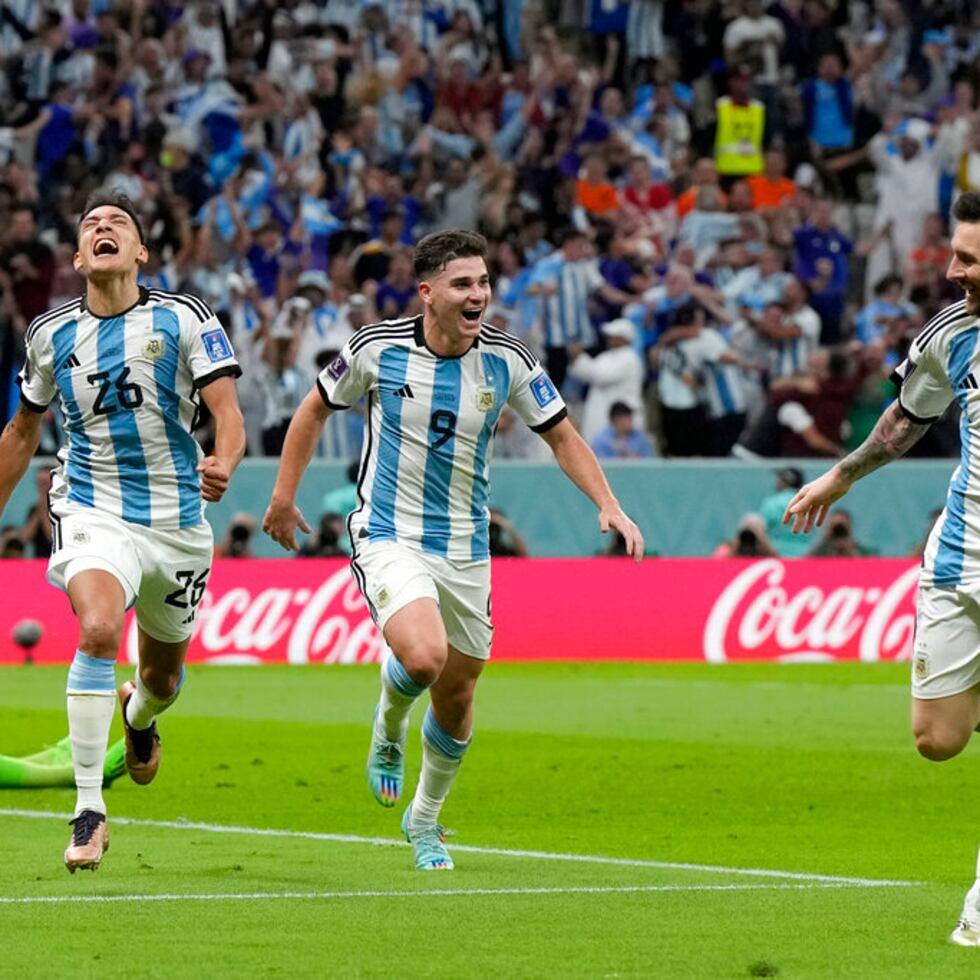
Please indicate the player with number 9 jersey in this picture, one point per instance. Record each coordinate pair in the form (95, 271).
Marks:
(435, 386)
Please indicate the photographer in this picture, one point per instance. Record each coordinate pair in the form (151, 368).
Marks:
(237, 542)
(838, 539)
(750, 541)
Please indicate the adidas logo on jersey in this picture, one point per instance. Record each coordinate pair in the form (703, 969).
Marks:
(969, 383)
(405, 391)
(71, 361)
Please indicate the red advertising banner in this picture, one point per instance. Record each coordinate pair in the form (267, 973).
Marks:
(718, 610)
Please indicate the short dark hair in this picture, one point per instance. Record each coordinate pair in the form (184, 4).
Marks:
(967, 207)
(434, 252)
(619, 410)
(107, 197)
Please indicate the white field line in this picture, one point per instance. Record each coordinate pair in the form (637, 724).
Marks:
(422, 893)
(470, 849)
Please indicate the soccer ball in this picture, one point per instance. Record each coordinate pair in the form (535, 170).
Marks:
(27, 634)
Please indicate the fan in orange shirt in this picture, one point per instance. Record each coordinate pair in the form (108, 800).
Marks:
(772, 187)
(593, 191)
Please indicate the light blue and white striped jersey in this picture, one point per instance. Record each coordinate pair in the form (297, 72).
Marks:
(722, 392)
(789, 357)
(943, 364)
(424, 475)
(565, 313)
(128, 386)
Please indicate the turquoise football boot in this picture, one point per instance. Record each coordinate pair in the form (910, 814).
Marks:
(428, 843)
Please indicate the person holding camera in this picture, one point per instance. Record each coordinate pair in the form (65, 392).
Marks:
(237, 542)
(838, 539)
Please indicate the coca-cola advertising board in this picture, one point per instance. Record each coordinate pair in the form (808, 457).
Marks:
(310, 611)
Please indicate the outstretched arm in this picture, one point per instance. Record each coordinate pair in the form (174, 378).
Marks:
(283, 516)
(893, 436)
(581, 466)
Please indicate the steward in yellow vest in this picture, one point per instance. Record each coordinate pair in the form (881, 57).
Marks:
(741, 127)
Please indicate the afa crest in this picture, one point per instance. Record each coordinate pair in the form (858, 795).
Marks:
(486, 398)
(154, 347)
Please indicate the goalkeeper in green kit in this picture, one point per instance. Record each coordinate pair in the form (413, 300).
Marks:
(53, 767)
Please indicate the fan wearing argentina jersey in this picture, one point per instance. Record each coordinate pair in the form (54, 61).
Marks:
(943, 364)
(129, 367)
(435, 386)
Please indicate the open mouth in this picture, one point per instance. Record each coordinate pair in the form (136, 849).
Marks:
(472, 315)
(106, 246)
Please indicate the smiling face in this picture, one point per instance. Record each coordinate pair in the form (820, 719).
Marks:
(456, 297)
(108, 244)
(964, 267)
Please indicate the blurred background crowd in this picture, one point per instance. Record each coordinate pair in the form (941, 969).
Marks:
(717, 223)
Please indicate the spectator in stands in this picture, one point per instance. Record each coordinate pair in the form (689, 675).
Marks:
(396, 295)
(564, 281)
(29, 265)
(621, 439)
(284, 384)
(828, 107)
(613, 375)
(772, 187)
(704, 174)
(907, 163)
(888, 316)
(594, 192)
(820, 260)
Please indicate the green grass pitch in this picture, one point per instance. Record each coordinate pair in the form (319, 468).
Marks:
(691, 775)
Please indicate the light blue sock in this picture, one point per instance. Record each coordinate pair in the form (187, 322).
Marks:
(398, 693)
(91, 693)
(442, 756)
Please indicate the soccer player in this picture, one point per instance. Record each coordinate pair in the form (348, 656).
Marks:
(130, 366)
(943, 363)
(435, 386)
(53, 767)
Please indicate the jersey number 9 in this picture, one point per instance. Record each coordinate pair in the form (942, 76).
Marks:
(443, 424)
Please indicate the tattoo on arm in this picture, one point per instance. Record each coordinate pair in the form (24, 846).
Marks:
(893, 436)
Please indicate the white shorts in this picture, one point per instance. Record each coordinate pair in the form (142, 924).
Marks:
(162, 572)
(946, 653)
(391, 575)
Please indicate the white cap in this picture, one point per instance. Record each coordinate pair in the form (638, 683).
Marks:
(314, 278)
(916, 129)
(621, 328)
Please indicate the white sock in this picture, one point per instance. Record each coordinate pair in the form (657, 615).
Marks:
(91, 702)
(398, 693)
(441, 758)
(971, 904)
(143, 705)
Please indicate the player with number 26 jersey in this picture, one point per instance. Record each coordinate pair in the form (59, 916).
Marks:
(128, 388)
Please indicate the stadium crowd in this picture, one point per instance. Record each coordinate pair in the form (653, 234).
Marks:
(718, 223)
